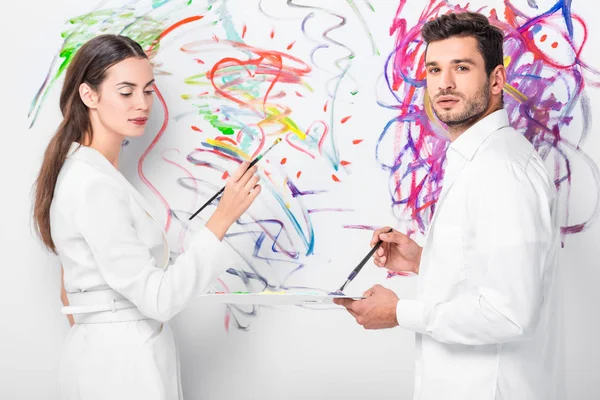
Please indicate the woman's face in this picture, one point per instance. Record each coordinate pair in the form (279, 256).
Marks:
(125, 97)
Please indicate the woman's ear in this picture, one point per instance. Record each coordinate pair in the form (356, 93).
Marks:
(88, 96)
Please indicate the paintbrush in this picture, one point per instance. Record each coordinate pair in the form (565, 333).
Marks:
(257, 159)
(360, 265)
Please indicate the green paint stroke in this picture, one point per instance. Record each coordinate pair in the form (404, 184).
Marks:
(352, 5)
(144, 29)
(224, 128)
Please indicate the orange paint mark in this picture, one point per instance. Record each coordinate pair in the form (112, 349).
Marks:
(178, 24)
(325, 106)
(335, 178)
(543, 38)
(554, 45)
(199, 61)
(346, 119)
(272, 33)
(172, 28)
(283, 160)
(298, 174)
(194, 127)
(289, 47)
(225, 175)
(344, 163)
(244, 31)
(357, 141)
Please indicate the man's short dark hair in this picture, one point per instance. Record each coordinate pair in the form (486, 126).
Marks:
(489, 38)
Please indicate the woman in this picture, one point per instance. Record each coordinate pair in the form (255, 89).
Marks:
(114, 253)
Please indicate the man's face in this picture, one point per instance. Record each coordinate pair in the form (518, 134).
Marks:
(457, 83)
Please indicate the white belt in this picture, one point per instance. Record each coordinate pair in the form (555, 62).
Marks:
(101, 306)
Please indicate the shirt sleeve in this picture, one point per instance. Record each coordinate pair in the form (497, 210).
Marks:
(124, 261)
(516, 242)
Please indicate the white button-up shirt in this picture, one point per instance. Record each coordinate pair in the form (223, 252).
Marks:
(487, 316)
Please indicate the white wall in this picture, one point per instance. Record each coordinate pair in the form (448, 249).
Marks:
(290, 353)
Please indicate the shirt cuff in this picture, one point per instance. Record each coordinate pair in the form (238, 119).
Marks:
(409, 314)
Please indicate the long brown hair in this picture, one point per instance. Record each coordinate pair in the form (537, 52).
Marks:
(89, 66)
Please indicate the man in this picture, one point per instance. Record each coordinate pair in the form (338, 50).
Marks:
(487, 315)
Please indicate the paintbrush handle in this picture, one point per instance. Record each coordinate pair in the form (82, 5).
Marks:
(208, 202)
(363, 262)
(257, 159)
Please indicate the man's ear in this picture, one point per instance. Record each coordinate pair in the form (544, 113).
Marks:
(88, 96)
(498, 80)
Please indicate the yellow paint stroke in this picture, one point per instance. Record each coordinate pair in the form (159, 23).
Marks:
(507, 61)
(275, 114)
(429, 111)
(218, 143)
(515, 93)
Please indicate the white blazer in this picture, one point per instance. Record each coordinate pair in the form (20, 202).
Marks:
(110, 246)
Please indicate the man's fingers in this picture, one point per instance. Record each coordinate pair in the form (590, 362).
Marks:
(394, 237)
(348, 303)
(375, 237)
(380, 261)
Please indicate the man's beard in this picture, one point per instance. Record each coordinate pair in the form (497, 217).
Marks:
(474, 108)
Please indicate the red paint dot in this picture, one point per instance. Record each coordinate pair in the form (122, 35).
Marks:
(199, 61)
(244, 31)
(357, 141)
(335, 178)
(289, 47)
(543, 38)
(283, 160)
(298, 174)
(554, 45)
(344, 163)
(215, 38)
(299, 94)
(346, 119)
(272, 33)
(225, 175)
(325, 107)
(194, 127)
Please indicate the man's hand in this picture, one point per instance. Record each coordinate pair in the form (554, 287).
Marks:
(398, 252)
(377, 311)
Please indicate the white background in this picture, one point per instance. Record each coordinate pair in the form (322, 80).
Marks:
(289, 353)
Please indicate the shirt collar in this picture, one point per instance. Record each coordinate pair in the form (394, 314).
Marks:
(471, 139)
